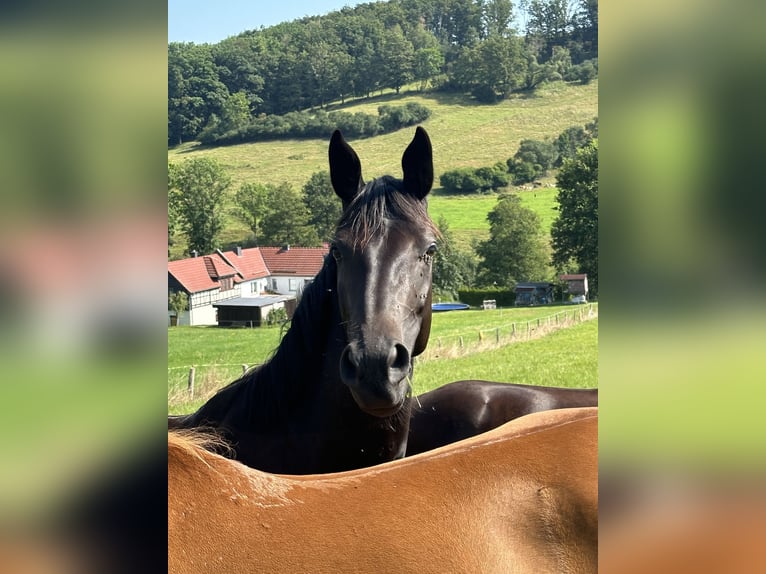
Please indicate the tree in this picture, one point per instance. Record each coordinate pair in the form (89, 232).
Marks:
(492, 69)
(575, 231)
(251, 206)
(453, 268)
(194, 90)
(569, 141)
(550, 21)
(497, 16)
(323, 205)
(286, 218)
(198, 188)
(532, 160)
(173, 215)
(516, 249)
(397, 56)
(178, 302)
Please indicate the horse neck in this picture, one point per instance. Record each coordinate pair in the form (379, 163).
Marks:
(314, 339)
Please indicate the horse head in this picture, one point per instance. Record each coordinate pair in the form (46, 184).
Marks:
(383, 247)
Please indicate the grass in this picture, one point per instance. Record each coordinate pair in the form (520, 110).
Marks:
(218, 354)
(564, 358)
(466, 214)
(463, 134)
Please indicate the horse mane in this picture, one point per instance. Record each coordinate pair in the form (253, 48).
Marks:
(306, 339)
(380, 199)
(183, 443)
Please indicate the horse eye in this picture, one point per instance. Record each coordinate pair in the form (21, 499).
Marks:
(431, 251)
(335, 252)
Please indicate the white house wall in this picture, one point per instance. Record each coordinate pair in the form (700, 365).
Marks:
(283, 286)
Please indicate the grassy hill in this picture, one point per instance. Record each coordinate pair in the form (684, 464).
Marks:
(463, 134)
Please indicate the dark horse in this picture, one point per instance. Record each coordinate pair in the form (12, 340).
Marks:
(464, 409)
(336, 394)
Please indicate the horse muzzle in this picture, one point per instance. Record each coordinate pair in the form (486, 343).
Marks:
(378, 378)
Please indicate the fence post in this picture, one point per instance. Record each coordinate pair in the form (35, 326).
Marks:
(481, 337)
(190, 386)
(461, 341)
(497, 335)
(513, 330)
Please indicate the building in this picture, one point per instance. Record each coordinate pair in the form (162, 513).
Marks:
(577, 284)
(241, 273)
(252, 311)
(533, 293)
(292, 268)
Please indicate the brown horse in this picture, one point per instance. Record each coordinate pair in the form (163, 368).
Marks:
(520, 498)
(462, 409)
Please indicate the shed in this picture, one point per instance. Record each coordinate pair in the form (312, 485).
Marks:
(252, 311)
(533, 293)
(577, 283)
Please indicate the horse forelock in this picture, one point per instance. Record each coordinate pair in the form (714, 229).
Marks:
(381, 199)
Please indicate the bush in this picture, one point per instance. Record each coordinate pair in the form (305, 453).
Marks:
(474, 297)
(524, 172)
(533, 159)
(320, 124)
(583, 73)
(470, 180)
(276, 316)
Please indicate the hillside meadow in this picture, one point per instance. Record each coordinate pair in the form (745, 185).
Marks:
(463, 134)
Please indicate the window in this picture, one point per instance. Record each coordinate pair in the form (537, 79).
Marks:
(227, 283)
(254, 287)
(293, 285)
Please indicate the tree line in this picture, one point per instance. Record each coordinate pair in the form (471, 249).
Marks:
(468, 46)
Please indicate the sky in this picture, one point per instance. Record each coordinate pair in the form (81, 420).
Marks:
(210, 21)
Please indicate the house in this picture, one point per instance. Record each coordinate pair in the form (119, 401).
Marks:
(292, 268)
(533, 293)
(577, 284)
(241, 273)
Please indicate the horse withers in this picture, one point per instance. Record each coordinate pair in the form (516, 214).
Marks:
(463, 409)
(336, 394)
(520, 498)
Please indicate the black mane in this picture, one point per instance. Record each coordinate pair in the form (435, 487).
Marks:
(271, 387)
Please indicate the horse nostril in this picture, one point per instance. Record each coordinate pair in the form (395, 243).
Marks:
(399, 358)
(348, 365)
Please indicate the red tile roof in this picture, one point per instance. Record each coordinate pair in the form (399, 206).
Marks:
(192, 273)
(217, 267)
(299, 261)
(250, 264)
(197, 274)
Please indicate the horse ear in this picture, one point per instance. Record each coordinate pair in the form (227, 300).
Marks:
(418, 165)
(345, 169)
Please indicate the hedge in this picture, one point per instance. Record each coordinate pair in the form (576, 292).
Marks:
(475, 297)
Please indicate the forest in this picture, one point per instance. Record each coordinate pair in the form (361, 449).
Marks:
(222, 93)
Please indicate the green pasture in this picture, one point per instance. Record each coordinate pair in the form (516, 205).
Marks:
(466, 215)
(463, 134)
(565, 357)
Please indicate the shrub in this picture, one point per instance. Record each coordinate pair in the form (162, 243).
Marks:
(503, 297)
(319, 124)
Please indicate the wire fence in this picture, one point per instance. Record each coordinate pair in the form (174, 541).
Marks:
(483, 339)
(201, 380)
